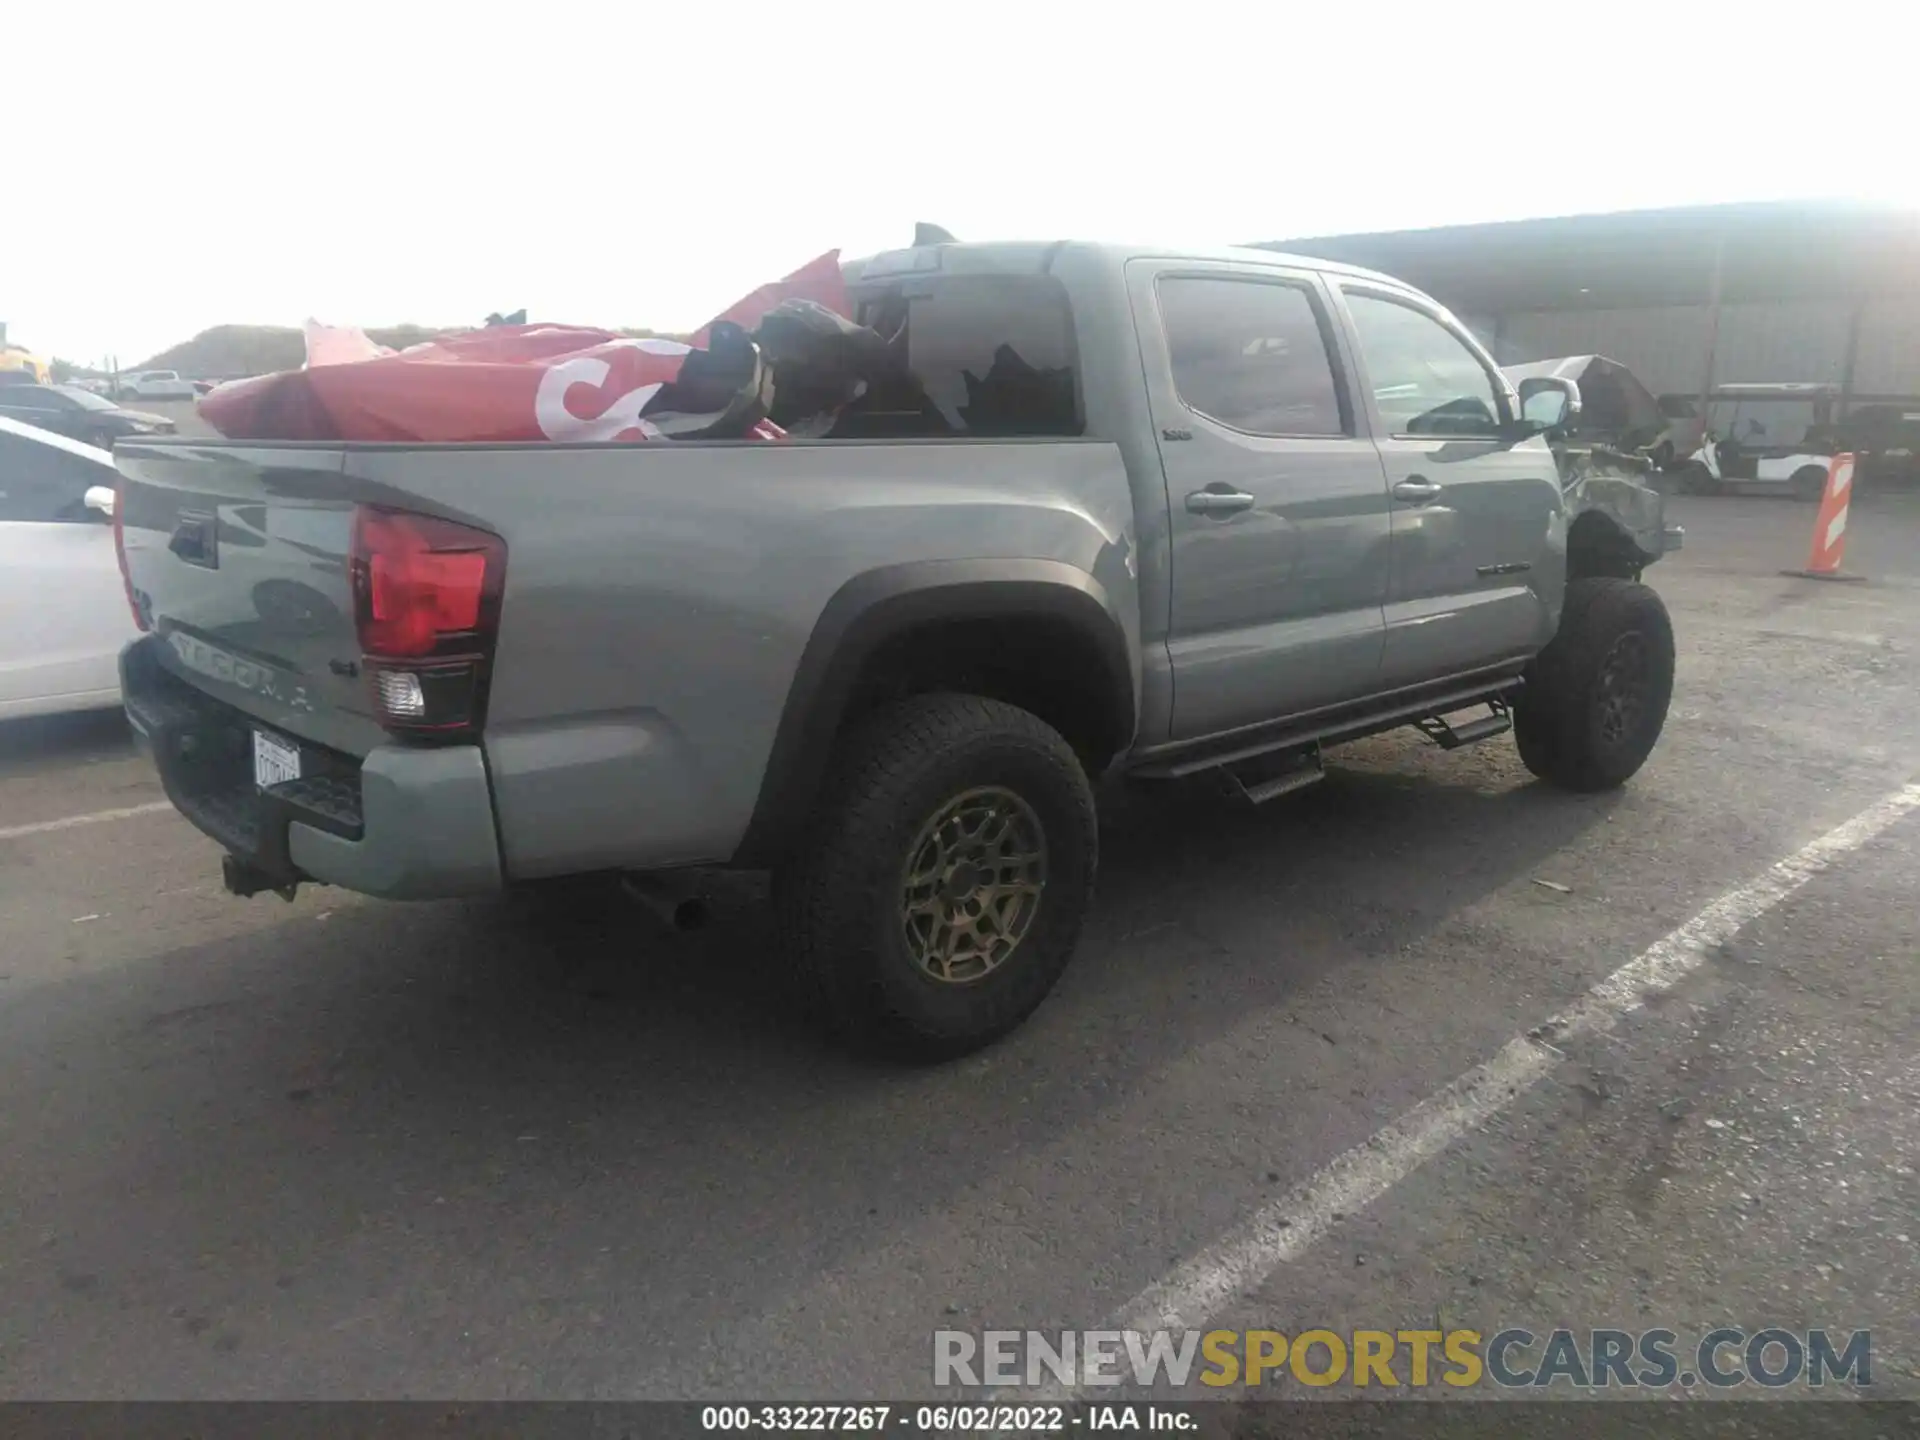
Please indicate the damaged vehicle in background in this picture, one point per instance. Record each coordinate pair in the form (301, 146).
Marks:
(1608, 430)
(1033, 513)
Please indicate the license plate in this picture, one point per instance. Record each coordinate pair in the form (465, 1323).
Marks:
(274, 761)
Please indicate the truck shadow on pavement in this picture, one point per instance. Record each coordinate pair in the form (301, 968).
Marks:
(51, 741)
(375, 1084)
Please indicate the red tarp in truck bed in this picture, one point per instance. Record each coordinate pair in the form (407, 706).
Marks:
(504, 383)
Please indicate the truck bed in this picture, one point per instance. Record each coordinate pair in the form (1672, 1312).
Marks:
(657, 602)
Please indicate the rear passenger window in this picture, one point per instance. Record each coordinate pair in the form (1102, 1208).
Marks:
(1251, 354)
(978, 355)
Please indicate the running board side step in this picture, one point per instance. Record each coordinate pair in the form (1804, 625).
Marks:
(1269, 777)
(1498, 721)
(1334, 726)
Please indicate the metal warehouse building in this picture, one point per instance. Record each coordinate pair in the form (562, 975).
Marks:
(1782, 292)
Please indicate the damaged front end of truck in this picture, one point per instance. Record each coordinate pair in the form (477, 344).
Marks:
(1602, 441)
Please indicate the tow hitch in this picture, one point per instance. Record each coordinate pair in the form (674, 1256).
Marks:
(246, 880)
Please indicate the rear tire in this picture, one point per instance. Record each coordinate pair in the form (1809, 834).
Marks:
(919, 928)
(1809, 483)
(1596, 698)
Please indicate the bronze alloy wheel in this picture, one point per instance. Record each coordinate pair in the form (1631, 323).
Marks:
(940, 886)
(972, 884)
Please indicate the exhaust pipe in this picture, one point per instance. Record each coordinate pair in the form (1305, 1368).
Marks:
(668, 901)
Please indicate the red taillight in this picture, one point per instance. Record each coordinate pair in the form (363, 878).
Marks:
(421, 582)
(427, 606)
(120, 554)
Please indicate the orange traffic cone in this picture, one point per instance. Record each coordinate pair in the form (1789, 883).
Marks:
(1830, 525)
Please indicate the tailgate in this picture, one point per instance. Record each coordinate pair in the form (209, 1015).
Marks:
(238, 556)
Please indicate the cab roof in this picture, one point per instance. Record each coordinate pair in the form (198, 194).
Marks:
(961, 257)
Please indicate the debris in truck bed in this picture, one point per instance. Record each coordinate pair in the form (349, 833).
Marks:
(509, 382)
(821, 362)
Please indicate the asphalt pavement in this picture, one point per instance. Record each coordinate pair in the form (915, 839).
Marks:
(337, 1148)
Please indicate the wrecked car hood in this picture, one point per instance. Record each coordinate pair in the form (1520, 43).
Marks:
(1616, 410)
(1601, 457)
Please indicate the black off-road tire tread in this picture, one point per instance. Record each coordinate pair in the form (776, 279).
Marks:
(825, 895)
(1551, 717)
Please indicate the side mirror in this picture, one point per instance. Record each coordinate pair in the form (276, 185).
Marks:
(1548, 403)
(100, 498)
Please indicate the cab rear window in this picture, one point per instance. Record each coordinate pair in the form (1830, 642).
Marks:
(985, 356)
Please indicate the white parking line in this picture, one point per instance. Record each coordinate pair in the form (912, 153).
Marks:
(1285, 1229)
(17, 832)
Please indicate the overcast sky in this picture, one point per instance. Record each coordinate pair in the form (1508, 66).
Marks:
(644, 163)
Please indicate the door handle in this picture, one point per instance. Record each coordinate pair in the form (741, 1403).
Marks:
(1416, 490)
(1219, 502)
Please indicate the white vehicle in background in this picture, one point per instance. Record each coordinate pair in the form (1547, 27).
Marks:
(60, 585)
(1733, 464)
(155, 385)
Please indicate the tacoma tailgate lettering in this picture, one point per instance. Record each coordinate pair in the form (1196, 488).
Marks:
(257, 679)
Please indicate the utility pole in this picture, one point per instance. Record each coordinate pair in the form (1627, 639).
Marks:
(1851, 362)
(1714, 280)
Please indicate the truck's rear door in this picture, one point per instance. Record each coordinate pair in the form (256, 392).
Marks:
(1278, 500)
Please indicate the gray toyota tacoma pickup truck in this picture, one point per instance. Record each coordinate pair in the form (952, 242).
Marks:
(1116, 511)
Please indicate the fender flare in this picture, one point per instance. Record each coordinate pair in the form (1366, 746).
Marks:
(1619, 536)
(877, 606)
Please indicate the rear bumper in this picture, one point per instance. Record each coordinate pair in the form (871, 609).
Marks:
(406, 823)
